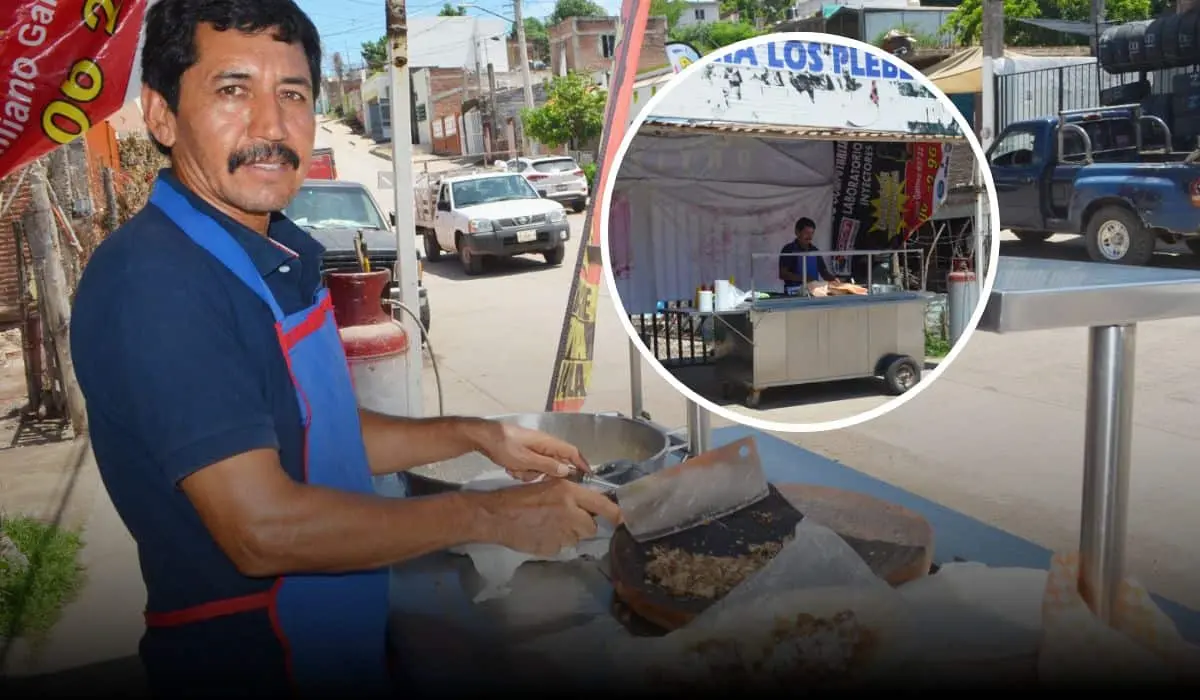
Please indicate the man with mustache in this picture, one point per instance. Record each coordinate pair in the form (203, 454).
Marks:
(220, 406)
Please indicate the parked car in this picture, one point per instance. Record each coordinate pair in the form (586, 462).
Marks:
(1098, 173)
(554, 177)
(487, 214)
(334, 211)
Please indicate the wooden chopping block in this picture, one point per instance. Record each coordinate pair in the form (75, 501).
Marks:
(895, 542)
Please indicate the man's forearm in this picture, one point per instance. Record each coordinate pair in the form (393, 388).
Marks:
(398, 444)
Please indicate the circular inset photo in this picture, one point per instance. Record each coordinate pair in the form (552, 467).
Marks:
(800, 231)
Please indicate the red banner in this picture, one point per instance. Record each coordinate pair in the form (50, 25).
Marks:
(920, 179)
(65, 65)
(573, 363)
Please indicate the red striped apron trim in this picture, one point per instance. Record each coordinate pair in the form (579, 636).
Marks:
(211, 610)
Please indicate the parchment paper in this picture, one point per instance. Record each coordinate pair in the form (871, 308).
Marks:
(497, 565)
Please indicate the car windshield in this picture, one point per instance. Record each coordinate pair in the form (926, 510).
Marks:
(558, 165)
(334, 207)
(491, 189)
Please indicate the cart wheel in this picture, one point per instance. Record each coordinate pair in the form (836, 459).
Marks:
(901, 374)
(753, 398)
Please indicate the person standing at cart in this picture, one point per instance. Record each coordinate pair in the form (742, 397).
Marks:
(220, 406)
(795, 271)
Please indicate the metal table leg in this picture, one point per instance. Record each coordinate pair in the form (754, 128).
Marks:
(699, 429)
(635, 381)
(1106, 465)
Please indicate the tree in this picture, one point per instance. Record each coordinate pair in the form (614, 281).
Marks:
(535, 34)
(375, 54)
(1114, 10)
(708, 37)
(754, 11)
(564, 9)
(449, 10)
(573, 113)
(965, 24)
(671, 9)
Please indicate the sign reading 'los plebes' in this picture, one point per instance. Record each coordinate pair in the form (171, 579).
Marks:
(64, 66)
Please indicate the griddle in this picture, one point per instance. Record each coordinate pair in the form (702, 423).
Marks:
(896, 543)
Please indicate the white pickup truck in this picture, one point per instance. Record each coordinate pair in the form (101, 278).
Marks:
(486, 213)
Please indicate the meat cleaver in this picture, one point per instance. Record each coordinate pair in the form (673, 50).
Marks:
(706, 487)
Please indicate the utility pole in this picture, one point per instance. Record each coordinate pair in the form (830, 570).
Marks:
(993, 48)
(402, 184)
(495, 117)
(478, 68)
(523, 53)
(41, 233)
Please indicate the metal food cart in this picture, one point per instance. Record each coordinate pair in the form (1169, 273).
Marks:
(1110, 300)
(776, 340)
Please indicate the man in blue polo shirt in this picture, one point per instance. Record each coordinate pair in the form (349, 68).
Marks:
(221, 410)
(795, 271)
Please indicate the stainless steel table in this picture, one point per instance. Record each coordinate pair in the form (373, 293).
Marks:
(1110, 300)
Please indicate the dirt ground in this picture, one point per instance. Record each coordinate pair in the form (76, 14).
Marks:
(40, 473)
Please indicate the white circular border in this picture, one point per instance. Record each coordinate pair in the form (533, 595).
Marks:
(927, 379)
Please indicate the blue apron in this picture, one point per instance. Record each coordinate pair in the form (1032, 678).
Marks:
(804, 265)
(331, 627)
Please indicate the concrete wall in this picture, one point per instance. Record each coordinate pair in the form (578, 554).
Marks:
(449, 42)
(710, 10)
(586, 44)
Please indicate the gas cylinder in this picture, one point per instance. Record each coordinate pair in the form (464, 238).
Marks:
(376, 350)
(963, 297)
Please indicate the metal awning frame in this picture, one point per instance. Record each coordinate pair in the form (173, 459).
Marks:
(667, 127)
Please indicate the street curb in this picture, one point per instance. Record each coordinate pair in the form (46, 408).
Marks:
(384, 152)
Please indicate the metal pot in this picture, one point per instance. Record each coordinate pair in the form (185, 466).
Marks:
(602, 438)
(885, 288)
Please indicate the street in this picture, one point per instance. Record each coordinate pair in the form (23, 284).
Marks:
(999, 436)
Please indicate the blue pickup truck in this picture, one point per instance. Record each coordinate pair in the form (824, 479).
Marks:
(1108, 174)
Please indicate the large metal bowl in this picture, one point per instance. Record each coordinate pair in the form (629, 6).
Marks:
(602, 438)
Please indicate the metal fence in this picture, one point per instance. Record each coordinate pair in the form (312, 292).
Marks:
(675, 339)
(1047, 91)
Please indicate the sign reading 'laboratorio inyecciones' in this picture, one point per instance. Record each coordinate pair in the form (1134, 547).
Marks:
(809, 84)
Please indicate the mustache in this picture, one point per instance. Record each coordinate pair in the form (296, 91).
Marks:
(264, 153)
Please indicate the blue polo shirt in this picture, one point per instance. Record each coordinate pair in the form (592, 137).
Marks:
(181, 368)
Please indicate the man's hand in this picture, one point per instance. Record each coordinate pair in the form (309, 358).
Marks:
(543, 519)
(529, 454)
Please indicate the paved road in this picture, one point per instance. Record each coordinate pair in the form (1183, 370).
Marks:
(999, 437)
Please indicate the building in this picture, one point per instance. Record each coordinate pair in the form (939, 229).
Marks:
(437, 99)
(870, 20)
(588, 45)
(699, 12)
(458, 42)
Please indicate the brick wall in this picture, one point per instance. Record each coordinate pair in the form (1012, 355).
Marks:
(578, 43)
(446, 98)
(10, 310)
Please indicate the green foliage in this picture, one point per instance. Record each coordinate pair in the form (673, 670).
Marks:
(708, 37)
(671, 9)
(31, 599)
(589, 171)
(375, 53)
(573, 113)
(536, 36)
(564, 9)
(1114, 10)
(936, 344)
(965, 24)
(449, 10)
(769, 11)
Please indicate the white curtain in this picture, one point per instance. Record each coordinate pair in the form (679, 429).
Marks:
(689, 210)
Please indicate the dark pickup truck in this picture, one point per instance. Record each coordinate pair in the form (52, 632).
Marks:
(1098, 173)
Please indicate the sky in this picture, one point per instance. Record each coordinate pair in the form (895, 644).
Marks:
(346, 24)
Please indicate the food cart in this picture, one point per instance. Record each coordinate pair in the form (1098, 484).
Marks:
(726, 163)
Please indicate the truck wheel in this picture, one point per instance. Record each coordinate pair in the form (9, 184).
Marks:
(579, 205)
(472, 264)
(1117, 235)
(901, 374)
(433, 251)
(555, 255)
(1031, 237)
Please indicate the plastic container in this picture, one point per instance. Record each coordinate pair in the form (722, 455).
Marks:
(706, 302)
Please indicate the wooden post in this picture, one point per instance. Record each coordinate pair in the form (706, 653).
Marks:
(42, 235)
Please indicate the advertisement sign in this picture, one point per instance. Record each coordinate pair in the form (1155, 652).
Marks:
(65, 65)
(815, 85)
(883, 192)
(681, 55)
(573, 362)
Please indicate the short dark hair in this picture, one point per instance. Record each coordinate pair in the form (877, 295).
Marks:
(170, 43)
(805, 222)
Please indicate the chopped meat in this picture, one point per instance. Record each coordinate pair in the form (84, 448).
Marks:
(804, 650)
(684, 574)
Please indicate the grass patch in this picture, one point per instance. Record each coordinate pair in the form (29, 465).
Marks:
(936, 345)
(31, 599)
